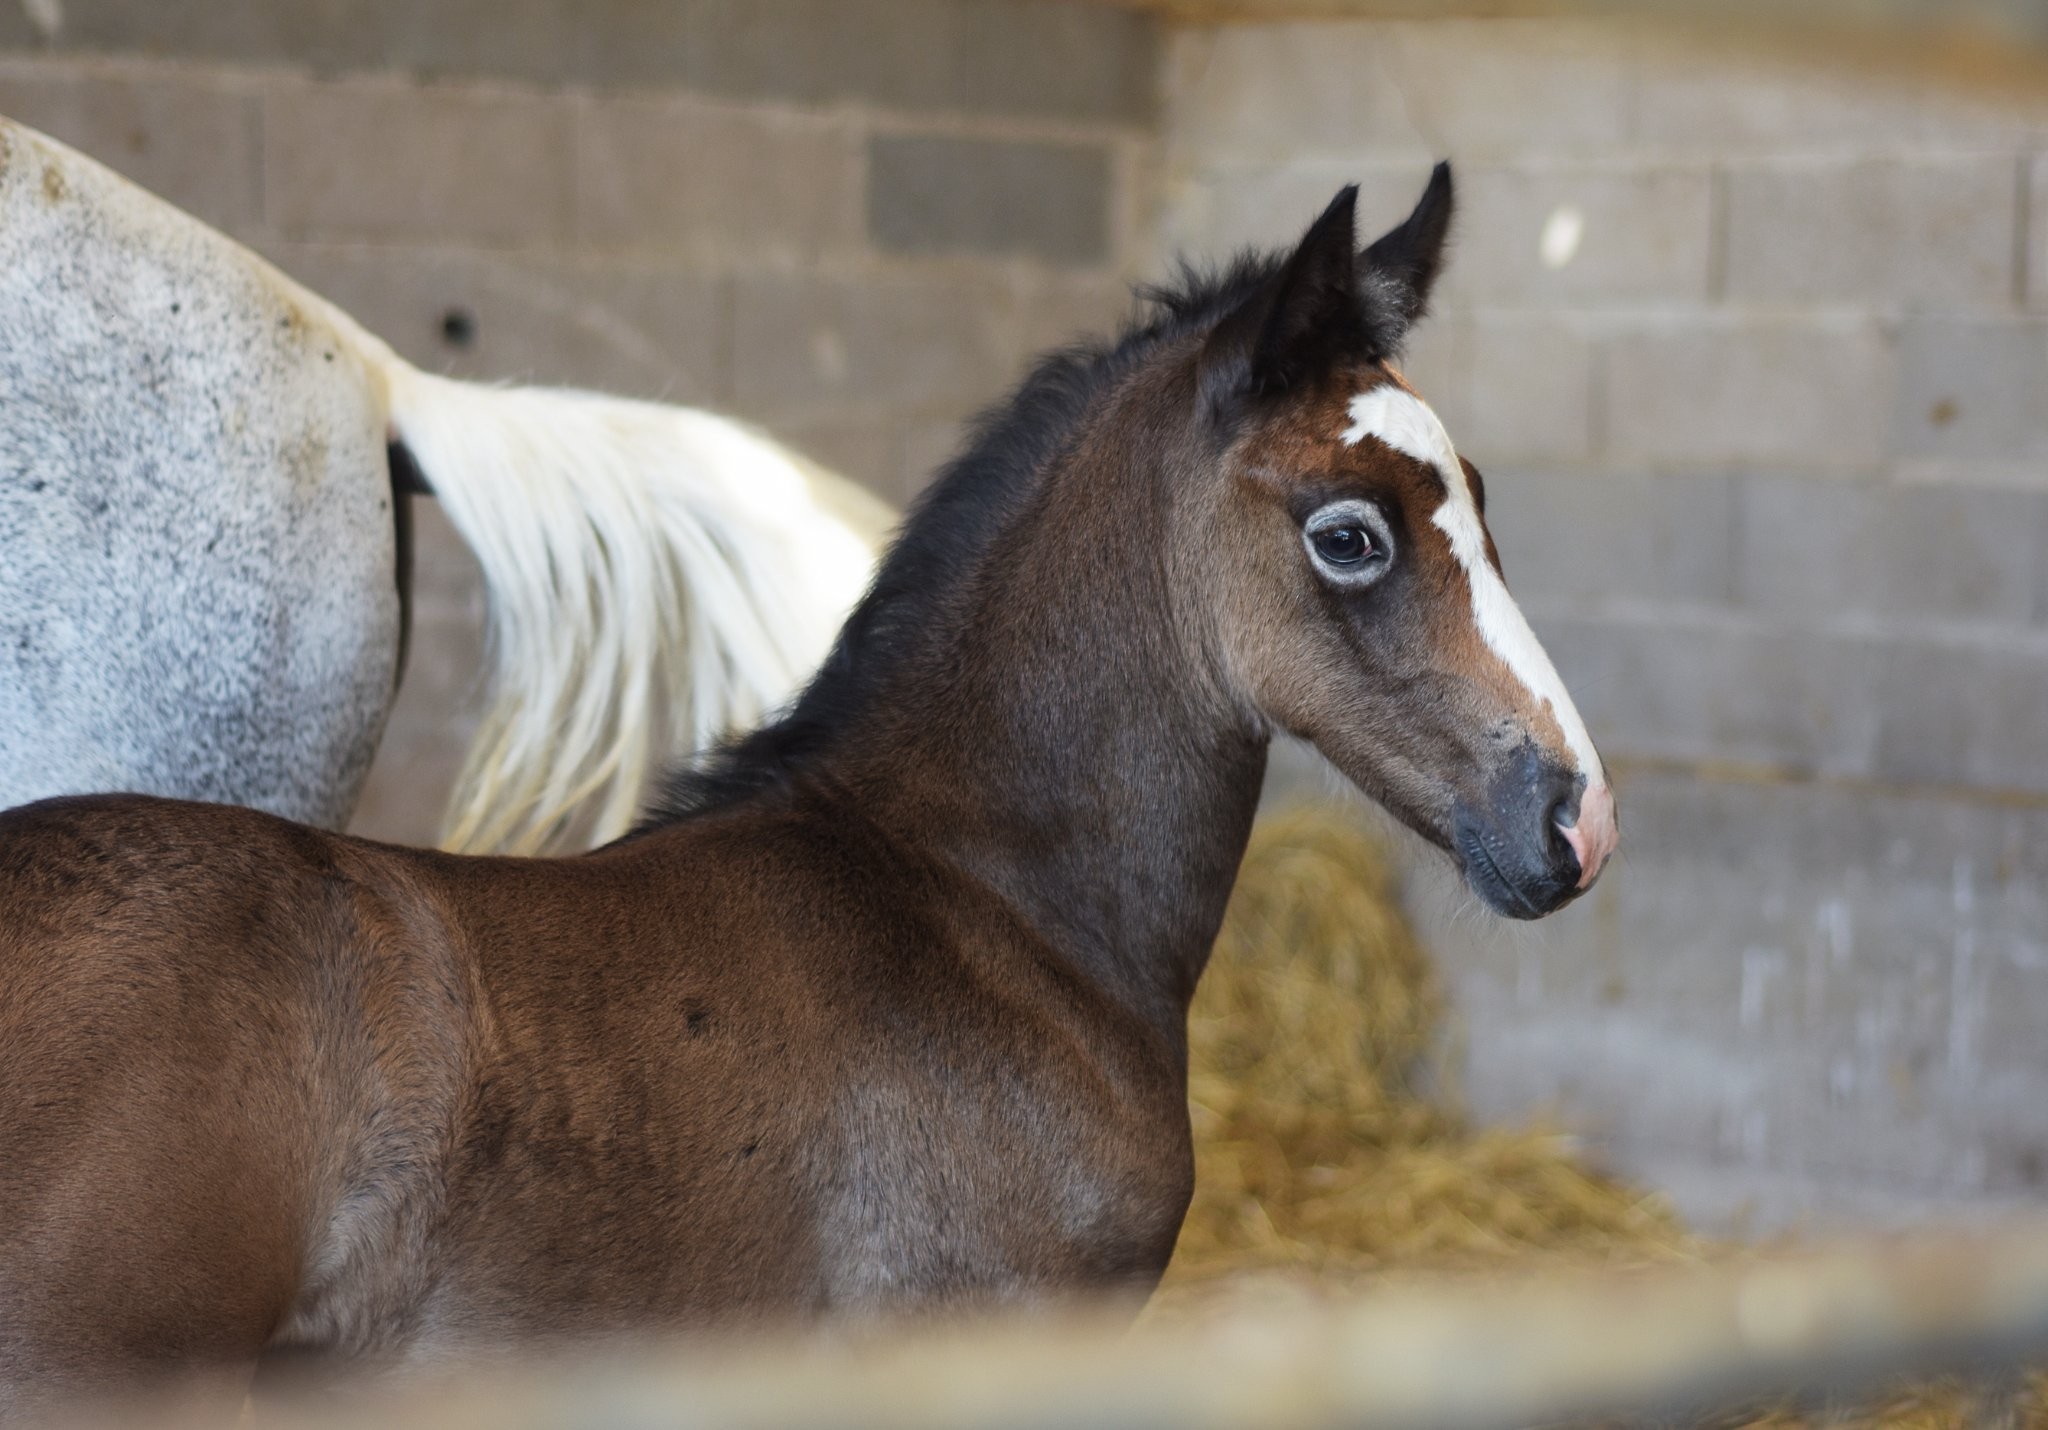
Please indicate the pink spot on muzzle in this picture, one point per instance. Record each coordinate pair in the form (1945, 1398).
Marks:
(1594, 837)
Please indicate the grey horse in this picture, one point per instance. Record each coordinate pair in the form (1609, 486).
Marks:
(203, 552)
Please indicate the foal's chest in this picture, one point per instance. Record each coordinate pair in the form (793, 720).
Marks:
(947, 1195)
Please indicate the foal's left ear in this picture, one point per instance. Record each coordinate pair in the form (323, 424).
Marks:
(1304, 318)
(1396, 273)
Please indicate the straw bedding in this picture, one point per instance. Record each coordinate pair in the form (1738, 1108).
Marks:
(1328, 1155)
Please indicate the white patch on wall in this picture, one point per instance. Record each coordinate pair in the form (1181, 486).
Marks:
(1405, 422)
(1559, 242)
(46, 15)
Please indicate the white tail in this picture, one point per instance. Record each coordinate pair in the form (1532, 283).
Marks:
(656, 577)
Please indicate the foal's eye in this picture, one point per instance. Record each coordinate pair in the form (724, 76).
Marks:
(1349, 542)
(1343, 545)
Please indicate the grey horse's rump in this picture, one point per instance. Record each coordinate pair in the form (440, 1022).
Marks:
(197, 568)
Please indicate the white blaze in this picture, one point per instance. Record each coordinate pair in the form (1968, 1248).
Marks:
(1405, 422)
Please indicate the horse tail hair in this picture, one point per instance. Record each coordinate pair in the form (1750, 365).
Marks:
(655, 576)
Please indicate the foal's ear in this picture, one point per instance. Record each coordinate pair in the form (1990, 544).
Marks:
(1302, 320)
(1398, 270)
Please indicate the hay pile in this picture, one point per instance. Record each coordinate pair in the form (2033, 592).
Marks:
(1319, 1148)
(1324, 1155)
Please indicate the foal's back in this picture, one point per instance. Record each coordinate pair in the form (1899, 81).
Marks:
(399, 1105)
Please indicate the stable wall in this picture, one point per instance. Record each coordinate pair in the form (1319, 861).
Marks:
(1754, 358)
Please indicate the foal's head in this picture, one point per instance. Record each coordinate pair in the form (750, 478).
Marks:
(1353, 594)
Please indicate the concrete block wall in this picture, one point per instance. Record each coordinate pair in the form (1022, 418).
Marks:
(850, 223)
(1754, 355)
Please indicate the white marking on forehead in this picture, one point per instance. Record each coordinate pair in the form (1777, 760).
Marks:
(1403, 421)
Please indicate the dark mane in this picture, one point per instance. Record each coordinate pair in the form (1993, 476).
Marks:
(947, 530)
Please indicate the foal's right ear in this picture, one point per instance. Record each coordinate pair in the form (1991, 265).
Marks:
(1398, 270)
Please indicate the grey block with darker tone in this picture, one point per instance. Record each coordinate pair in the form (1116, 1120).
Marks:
(1015, 57)
(1064, 60)
(935, 194)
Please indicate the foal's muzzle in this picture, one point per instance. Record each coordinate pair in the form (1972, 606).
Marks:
(1537, 841)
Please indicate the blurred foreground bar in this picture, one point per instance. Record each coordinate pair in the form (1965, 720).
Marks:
(1839, 1322)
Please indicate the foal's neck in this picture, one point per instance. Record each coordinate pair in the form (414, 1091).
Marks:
(1053, 739)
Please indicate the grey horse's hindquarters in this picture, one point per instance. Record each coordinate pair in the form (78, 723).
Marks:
(197, 569)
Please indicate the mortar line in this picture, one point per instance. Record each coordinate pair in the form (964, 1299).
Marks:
(2022, 223)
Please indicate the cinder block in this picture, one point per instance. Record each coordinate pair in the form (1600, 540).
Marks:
(1416, 90)
(1971, 391)
(1743, 104)
(534, 42)
(188, 138)
(1675, 684)
(1904, 232)
(715, 179)
(1528, 391)
(1083, 62)
(1567, 234)
(1817, 550)
(1285, 92)
(809, 347)
(390, 161)
(1486, 87)
(1713, 391)
(2036, 217)
(1068, 61)
(234, 30)
(1583, 540)
(637, 330)
(938, 194)
(1970, 714)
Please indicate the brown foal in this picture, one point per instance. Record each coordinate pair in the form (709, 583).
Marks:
(883, 1012)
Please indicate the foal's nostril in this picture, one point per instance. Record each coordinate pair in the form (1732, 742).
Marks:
(1560, 815)
(1562, 855)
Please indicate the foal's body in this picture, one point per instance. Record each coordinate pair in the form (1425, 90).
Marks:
(954, 1110)
(885, 1011)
